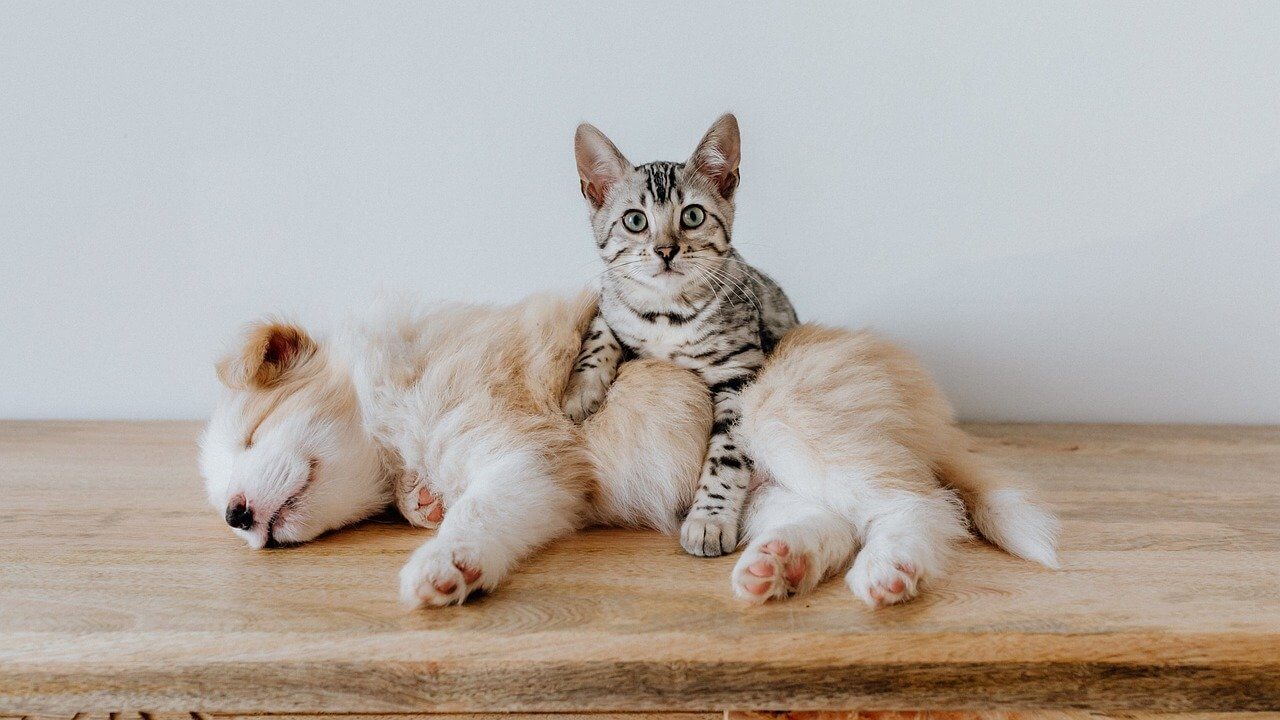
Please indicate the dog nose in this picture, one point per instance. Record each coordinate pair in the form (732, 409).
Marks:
(666, 252)
(239, 515)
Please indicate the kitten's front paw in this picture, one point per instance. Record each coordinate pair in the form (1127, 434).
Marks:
(709, 536)
(439, 574)
(773, 569)
(581, 401)
(417, 502)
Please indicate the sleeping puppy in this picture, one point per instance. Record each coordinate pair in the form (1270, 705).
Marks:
(453, 413)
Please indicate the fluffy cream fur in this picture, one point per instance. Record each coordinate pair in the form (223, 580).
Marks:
(863, 461)
(458, 405)
(458, 408)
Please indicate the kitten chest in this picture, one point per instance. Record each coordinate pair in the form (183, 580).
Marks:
(660, 338)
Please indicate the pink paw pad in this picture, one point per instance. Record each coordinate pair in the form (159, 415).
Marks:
(896, 586)
(428, 499)
(776, 572)
(469, 574)
(447, 586)
(419, 504)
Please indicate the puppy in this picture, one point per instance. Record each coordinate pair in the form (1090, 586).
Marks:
(455, 413)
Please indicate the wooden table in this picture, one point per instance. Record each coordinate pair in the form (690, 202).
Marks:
(121, 591)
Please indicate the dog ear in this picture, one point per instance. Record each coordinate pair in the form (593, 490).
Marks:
(718, 154)
(600, 164)
(269, 352)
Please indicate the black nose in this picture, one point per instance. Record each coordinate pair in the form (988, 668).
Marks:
(239, 516)
(666, 252)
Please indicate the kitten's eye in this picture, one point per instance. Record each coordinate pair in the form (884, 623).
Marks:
(635, 221)
(692, 216)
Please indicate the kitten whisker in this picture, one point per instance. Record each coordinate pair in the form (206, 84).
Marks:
(614, 268)
(740, 288)
(746, 265)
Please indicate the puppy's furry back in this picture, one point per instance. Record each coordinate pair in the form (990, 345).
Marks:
(850, 397)
(428, 376)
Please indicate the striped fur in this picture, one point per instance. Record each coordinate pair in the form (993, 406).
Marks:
(674, 288)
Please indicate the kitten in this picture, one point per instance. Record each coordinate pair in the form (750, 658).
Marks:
(675, 289)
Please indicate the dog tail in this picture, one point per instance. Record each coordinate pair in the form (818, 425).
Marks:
(1003, 512)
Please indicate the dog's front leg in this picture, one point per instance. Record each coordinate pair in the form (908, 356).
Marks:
(513, 504)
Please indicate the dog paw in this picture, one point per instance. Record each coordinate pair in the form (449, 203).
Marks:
(709, 536)
(881, 579)
(772, 570)
(417, 502)
(438, 575)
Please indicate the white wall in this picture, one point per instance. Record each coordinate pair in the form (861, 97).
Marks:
(1071, 213)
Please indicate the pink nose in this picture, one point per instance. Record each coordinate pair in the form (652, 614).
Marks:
(666, 252)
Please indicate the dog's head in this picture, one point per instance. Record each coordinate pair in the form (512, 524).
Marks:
(284, 456)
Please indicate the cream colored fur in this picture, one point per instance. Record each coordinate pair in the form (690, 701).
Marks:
(464, 401)
(460, 405)
(863, 461)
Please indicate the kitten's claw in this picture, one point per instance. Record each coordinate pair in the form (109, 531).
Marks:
(709, 536)
(579, 404)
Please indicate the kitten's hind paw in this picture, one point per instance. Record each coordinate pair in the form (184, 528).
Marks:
(709, 536)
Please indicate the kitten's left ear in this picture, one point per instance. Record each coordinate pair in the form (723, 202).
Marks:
(718, 154)
(600, 165)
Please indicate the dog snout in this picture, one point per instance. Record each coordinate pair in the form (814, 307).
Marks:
(239, 515)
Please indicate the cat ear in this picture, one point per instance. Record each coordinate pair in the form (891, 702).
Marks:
(718, 154)
(268, 352)
(600, 165)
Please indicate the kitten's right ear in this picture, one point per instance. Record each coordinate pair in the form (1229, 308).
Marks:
(269, 351)
(600, 165)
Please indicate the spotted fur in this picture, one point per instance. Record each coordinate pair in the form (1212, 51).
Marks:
(676, 289)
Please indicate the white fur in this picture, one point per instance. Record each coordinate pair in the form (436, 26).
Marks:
(1008, 518)
(347, 482)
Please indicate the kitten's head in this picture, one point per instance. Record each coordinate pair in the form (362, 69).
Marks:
(663, 225)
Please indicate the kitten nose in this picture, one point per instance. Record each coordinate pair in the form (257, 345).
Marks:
(666, 252)
(239, 515)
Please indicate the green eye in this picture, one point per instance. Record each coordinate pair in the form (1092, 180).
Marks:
(692, 216)
(635, 221)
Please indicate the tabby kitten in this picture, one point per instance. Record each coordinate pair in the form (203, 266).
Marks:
(675, 288)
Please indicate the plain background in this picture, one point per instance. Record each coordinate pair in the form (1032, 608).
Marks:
(1070, 211)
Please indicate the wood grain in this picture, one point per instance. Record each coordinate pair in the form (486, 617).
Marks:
(120, 588)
